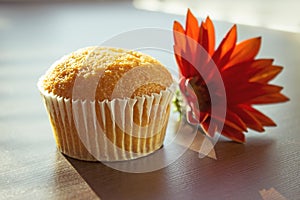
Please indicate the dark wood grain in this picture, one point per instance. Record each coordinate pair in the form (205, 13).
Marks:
(42, 177)
(33, 36)
(240, 172)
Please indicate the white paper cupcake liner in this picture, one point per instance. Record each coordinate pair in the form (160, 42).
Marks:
(120, 129)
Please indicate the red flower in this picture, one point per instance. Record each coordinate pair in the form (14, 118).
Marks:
(245, 78)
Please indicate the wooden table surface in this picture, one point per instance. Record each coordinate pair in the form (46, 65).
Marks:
(33, 36)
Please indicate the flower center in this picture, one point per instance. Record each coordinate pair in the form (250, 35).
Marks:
(202, 93)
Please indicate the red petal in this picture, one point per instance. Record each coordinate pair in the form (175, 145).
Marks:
(179, 35)
(248, 119)
(261, 64)
(207, 36)
(261, 71)
(192, 29)
(237, 75)
(227, 131)
(244, 51)
(247, 92)
(211, 36)
(267, 74)
(269, 98)
(177, 53)
(264, 120)
(186, 68)
(233, 134)
(223, 52)
(234, 121)
(192, 34)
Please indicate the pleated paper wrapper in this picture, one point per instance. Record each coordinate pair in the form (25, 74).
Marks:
(116, 130)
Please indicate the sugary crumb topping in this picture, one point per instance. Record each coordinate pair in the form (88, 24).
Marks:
(106, 73)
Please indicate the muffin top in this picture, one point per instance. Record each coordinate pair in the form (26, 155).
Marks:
(100, 73)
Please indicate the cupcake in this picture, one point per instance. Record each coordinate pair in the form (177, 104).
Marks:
(107, 104)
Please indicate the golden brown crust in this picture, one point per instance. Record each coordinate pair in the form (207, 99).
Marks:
(119, 73)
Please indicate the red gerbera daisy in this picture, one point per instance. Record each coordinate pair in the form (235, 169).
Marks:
(245, 78)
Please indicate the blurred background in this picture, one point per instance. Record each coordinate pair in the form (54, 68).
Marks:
(274, 14)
